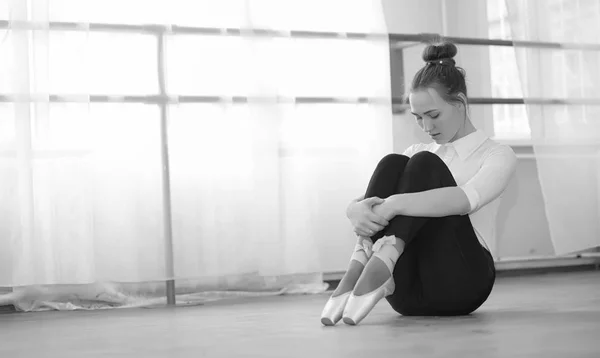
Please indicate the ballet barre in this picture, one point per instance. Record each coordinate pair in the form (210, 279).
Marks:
(399, 103)
(172, 29)
(397, 41)
(520, 101)
(176, 99)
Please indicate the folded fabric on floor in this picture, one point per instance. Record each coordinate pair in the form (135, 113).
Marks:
(146, 295)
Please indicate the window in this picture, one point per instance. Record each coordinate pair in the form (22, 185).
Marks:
(117, 59)
(510, 120)
(265, 110)
(563, 73)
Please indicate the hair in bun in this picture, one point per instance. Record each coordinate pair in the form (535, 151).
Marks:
(441, 51)
(440, 71)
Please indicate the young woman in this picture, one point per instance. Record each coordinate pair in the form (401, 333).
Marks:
(426, 215)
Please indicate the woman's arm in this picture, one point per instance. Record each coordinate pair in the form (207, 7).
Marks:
(486, 185)
(431, 203)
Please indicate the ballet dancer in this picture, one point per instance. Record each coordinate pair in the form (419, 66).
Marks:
(423, 223)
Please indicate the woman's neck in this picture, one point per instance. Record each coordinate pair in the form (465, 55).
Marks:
(467, 129)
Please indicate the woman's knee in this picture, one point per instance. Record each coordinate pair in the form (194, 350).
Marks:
(393, 161)
(427, 159)
(426, 168)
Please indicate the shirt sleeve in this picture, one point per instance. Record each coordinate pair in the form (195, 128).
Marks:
(492, 178)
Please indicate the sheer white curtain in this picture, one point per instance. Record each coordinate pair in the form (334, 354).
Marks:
(258, 189)
(566, 136)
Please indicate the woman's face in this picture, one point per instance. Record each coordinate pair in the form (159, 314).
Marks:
(441, 120)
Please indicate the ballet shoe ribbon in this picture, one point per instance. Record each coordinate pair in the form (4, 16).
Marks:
(367, 246)
(385, 249)
(387, 240)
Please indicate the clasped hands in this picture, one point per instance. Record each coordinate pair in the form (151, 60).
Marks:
(371, 215)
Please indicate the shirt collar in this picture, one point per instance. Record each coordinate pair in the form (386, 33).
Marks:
(466, 145)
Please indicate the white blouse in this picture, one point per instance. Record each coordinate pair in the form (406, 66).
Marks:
(482, 168)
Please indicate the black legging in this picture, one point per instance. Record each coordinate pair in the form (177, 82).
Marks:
(444, 270)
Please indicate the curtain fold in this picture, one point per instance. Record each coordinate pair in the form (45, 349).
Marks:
(565, 133)
(258, 188)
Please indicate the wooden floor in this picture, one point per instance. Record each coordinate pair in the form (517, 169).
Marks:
(556, 315)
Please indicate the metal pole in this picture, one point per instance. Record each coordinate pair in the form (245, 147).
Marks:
(166, 187)
(168, 230)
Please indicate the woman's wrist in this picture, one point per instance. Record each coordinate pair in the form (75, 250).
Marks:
(395, 202)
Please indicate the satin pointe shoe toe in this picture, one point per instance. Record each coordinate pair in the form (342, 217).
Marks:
(358, 307)
(334, 308)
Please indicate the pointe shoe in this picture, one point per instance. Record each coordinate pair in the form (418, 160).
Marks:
(334, 308)
(358, 307)
(332, 312)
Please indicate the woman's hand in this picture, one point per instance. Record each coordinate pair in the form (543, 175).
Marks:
(365, 222)
(386, 209)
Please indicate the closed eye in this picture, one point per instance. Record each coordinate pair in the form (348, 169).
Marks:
(431, 114)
